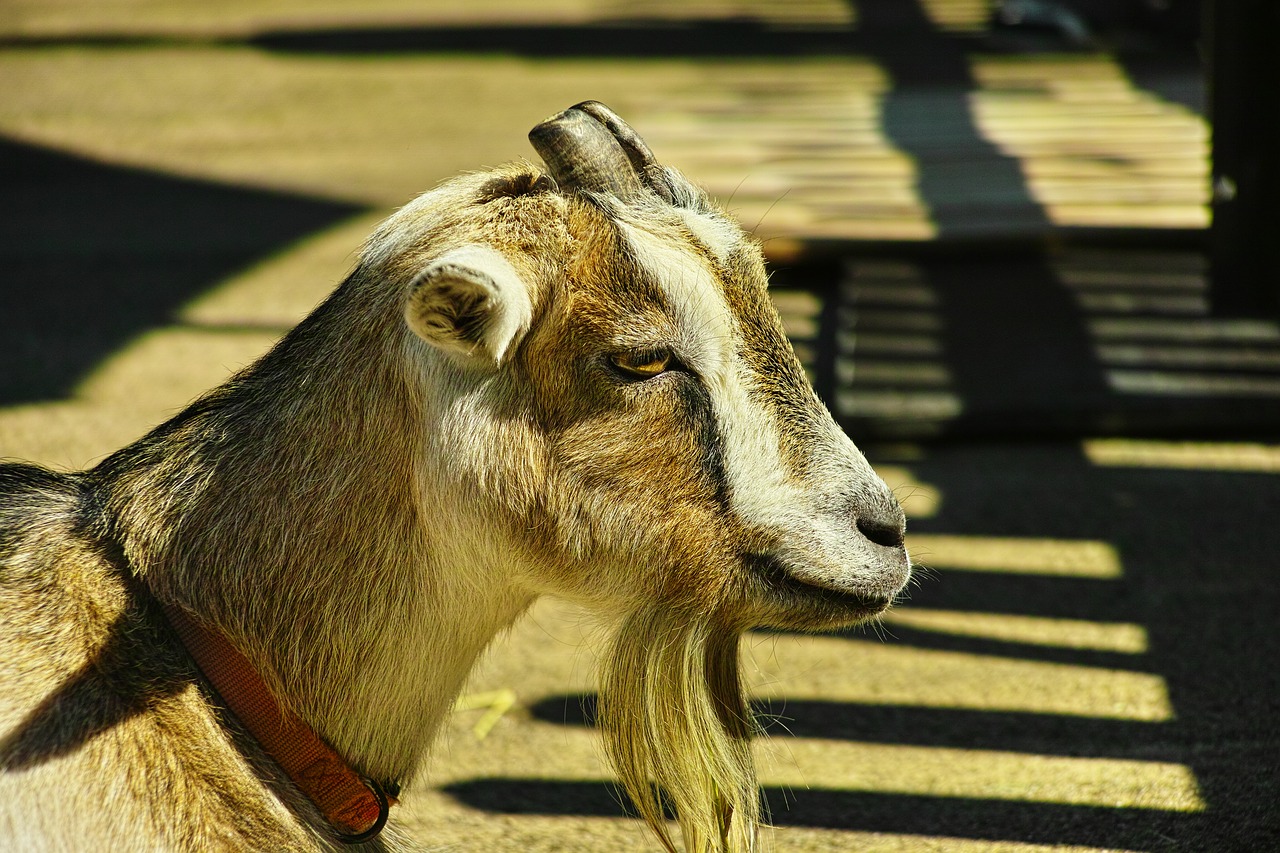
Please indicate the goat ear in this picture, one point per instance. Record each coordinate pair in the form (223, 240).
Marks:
(470, 302)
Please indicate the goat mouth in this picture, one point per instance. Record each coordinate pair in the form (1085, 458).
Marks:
(830, 602)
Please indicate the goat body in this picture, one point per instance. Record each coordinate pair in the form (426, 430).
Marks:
(530, 384)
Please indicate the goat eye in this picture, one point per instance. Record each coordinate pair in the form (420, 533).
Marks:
(641, 365)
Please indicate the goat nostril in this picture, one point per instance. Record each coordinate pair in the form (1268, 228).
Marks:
(890, 536)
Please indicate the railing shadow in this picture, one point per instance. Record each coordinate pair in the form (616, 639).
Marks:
(1195, 548)
(912, 725)
(1033, 343)
(865, 811)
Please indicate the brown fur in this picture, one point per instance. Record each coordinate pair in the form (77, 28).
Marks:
(363, 509)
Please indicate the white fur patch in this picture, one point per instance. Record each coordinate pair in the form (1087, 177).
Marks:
(763, 495)
(407, 226)
(718, 235)
(399, 230)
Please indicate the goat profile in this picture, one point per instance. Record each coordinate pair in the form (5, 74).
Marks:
(566, 381)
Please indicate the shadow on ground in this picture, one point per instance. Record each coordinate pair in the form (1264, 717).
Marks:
(860, 811)
(1197, 552)
(1034, 343)
(95, 254)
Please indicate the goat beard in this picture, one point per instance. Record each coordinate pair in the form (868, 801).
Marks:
(676, 725)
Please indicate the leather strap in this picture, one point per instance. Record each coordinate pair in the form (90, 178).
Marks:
(354, 805)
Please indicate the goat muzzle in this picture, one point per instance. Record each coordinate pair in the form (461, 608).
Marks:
(590, 149)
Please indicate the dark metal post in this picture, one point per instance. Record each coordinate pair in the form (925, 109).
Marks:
(1242, 43)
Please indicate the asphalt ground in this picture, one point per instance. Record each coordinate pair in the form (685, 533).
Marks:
(1088, 459)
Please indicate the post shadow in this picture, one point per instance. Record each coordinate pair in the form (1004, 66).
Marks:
(963, 177)
(1018, 347)
(1243, 38)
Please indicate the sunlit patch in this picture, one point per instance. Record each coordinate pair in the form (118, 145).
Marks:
(808, 838)
(887, 673)
(791, 14)
(919, 500)
(922, 407)
(964, 16)
(982, 774)
(1206, 456)
(1191, 384)
(1189, 330)
(1121, 637)
(1095, 149)
(1240, 358)
(842, 177)
(1083, 558)
(902, 373)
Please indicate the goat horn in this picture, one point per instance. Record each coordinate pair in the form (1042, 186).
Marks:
(636, 149)
(587, 147)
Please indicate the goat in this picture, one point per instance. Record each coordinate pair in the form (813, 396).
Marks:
(567, 381)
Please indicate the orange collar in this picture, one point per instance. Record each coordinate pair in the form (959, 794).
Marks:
(355, 805)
